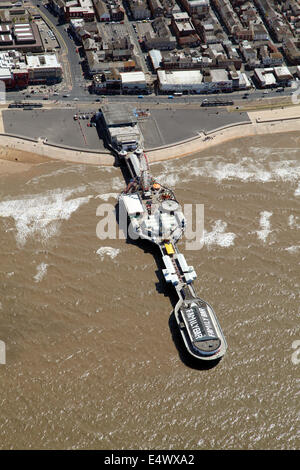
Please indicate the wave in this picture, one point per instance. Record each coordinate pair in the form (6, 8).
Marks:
(107, 251)
(107, 196)
(41, 214)
(218, 236)
(41, 272)
(293, 249)
(293, 221)
(247, 169)
(265, 225)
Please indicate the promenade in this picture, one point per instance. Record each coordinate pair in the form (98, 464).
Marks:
(17, 151)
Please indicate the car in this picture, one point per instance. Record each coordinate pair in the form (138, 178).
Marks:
(140, 97)
(66, 96)
(170, 97)
(76, 99)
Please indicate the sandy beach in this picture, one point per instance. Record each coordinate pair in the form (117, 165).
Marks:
(18, 154)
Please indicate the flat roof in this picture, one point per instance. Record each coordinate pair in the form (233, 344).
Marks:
(5, 73)
(178, 77)
(269, 79)
(219, 75)
(130, 77)
(42, 60)
(116, 115)
(133, 204)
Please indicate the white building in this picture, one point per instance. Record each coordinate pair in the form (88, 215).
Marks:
(133, 81)
(177, 80)
(194, 80)
(43, 67)
(273, 76)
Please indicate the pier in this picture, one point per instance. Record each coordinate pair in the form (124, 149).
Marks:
(153, 213)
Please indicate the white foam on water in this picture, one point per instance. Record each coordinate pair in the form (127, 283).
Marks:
(107, 251)
(246, 169)
(41, 214)
(117, 183)
(297, 191)
(265, 225)
(41, 272)
(293, 221)
(293, 249)
(218, 236)
(170, 179)
(107, 196)
(61, 171)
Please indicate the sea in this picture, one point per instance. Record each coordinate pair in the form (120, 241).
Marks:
(91, 355)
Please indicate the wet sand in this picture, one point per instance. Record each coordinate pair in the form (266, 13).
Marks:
(13, 160)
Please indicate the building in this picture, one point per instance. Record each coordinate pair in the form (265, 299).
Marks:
(133, 82)
(139, 9)
(98, 65)
(43, 68)
(80, 9)
(13, 70)
(107, 83)
(160, 36)
(291, 52)
(199, 8)
(121, 127)
(156, 8)
(208, 81)
(24, 37)
(156, 58)
(101, 10)
(273, 76)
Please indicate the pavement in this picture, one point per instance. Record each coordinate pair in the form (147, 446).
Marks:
(57, 125)
(165, 126)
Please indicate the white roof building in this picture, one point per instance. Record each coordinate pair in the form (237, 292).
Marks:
(43, 66)
(133, 80)
(181, 80)
(132, 204)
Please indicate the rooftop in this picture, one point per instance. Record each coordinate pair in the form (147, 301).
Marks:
(115, 115)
